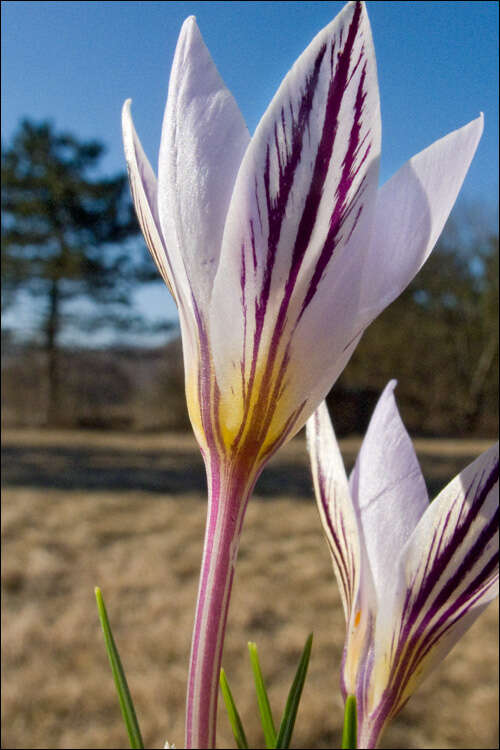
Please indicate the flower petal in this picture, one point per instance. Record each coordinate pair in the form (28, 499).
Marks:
(306, 185)
(349, 557)
(334, 504)
(143, 187)
(388, 490)
(450, 573)
(203, 141)
(411, 211)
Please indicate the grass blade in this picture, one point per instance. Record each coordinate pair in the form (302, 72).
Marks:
(262, 699)
(232, 711)
(292, 703)
(126, 704)
(350, 731)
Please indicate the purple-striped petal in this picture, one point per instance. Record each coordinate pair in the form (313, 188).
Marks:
(306, 187)
(203, 141)
(334, 504)
(347, 548)
(460, 569)
(388, 491)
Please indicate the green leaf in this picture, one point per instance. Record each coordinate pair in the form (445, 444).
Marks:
(126, 704)
(262, 699)
(234, 717)
(292, 703)
(350, 730)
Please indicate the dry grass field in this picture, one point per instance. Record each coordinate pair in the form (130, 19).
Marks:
(126, 512)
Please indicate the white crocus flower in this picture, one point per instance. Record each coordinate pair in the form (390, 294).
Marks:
(413, 576)
(279, 250)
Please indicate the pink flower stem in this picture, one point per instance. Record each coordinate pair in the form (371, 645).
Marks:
(227, 500)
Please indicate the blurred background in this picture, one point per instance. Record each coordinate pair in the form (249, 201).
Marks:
(95, 424)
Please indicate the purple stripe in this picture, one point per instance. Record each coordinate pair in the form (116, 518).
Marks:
(459, 608)
(244, 308)
(208, 389)
(334, 542)
(256, 192)
(144, 224)
(419, 639)
(342, 210)
(262, 415)
(136, 175)
(320, 171)
(335, 96)
(391, 702)
(276, 208)
(365, 669)
(435, 568)
(443, 557)
(342, 566)
(472, 557)
(285, 432)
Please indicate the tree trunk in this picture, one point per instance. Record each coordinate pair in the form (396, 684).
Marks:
(476, 390)
(51, 330)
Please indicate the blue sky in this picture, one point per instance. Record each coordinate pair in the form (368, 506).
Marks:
(76, 62)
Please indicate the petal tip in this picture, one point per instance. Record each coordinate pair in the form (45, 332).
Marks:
(390, 388)
(363, 7)
(189, 27)
(127, 128)
(477, 126)
(127, 105)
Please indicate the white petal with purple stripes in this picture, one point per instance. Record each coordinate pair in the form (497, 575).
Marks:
(306, 187)
(335, 505)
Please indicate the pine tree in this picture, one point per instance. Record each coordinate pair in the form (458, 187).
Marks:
(63, 230)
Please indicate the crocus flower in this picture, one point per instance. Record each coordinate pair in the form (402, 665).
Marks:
(279, 250)
(413, 576)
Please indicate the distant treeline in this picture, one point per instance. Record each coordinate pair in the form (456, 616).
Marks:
(70, 236)
(439, 339)
(446, 371)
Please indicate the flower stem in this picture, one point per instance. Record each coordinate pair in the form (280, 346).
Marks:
(227, 502)
(350, 724)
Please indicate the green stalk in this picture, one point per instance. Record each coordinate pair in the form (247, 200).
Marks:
(232, 711)
(126, 704)
(292, 704)
(350, 730)
(266, 716)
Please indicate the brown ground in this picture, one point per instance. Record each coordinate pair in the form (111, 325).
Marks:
(126, 512)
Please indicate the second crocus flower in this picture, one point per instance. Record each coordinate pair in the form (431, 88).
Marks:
(413, 576)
